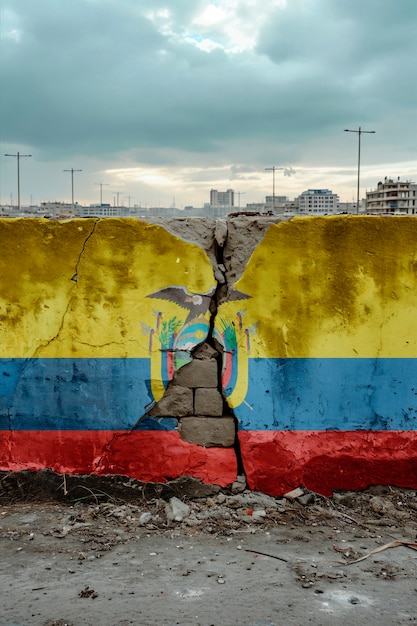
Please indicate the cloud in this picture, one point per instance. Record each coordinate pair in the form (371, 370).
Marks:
(127, 84)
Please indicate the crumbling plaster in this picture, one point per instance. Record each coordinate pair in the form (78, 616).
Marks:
(285, 296)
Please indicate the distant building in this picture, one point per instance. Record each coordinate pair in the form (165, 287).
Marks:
(258, 207)
(275, 204)
(393, 197)
(99, 210)
(349, 207)
(291, 207)
(57, 210)
(318, 201)
(222, 198)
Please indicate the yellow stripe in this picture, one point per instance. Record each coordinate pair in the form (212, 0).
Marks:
(333, 287)
(104, 312)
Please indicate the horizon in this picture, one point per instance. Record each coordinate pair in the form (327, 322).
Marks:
(168, 99)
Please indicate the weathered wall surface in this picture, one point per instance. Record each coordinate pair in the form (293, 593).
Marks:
(96, 316)
(145, 349)
(321, 370)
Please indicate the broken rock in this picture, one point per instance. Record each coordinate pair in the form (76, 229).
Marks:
(176, 510)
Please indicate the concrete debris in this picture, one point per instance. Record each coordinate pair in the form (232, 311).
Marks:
(276, 556)
(306, 499)
(239, 485)
(145, 518)
(176, 510)
(258, 514)
(382, 506)
(294, 494)
(220, 232)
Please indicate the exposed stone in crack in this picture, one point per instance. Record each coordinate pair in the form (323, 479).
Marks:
(244, 233)
(209, 350)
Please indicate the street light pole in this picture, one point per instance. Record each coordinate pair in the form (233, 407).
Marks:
(359, 133)
(72, 170)
(101, 191)
(117, 194)
(240, 193)
(18, 156)
(273, 170)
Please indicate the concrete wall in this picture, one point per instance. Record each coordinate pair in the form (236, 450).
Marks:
(193, 347)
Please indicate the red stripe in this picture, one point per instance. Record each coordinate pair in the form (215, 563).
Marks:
(277, 461)
(155, 456)
(170, 365)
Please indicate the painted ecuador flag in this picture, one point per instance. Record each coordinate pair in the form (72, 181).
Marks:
(321, 359)
(95, 316)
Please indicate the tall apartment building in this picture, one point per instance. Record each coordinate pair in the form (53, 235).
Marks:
(321, 201)
(392, 196)
(222, 198)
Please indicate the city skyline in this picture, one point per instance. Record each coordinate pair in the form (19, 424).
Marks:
(159, 103)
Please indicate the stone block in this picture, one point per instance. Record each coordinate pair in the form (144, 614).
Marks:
(198, 374)
(205, 352)
(177, 402)
(208, 402)
(208, 431)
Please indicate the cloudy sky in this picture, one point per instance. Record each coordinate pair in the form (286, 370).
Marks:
(163, 100)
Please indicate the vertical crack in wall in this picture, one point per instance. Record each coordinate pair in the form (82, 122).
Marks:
(86, 240)
(219, 427)
(47, 342)
(74, 278)
(222, 289)
(99, 461)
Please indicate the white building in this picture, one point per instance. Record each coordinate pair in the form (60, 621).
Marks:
(393, 197)
(318, 201)
(349, 207)
(222, 198)
(275, 204)
(57, 210)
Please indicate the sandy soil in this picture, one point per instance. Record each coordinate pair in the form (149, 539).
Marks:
(229, 559)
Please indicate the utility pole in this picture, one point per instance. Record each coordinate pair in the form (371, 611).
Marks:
(117, 194)
(72, 170)
(101, 191)
(239, 193)
(359, 133)
(273, 170)
(18, 156)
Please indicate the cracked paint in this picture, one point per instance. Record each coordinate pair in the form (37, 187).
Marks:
(333, 355)
(78, 371)
(320, 350)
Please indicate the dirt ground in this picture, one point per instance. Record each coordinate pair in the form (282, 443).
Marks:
(81, 554)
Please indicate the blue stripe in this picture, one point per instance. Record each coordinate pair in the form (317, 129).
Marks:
(76, 394)
(330, 394)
